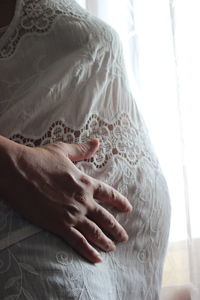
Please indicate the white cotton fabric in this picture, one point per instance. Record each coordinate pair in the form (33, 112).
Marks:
(62, 77)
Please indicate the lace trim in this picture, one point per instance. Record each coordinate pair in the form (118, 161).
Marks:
(37, 17)
(119, 138)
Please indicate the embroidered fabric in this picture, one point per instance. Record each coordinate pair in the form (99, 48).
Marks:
(74, 89)
(119, 138)
(36, 17)
(130, 167)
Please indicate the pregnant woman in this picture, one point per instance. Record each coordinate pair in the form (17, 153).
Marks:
(78, 174)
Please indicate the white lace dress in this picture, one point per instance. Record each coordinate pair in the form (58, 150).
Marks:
(62, 77)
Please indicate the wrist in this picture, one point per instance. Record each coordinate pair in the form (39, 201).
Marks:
(10, 153)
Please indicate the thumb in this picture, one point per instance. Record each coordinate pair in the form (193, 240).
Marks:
(77, 152)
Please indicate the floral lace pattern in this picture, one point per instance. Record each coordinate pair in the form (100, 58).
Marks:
(119, 138)
(121, 144)
(38, 18)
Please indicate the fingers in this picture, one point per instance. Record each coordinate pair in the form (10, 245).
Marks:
(95, 235)
(108, 223)
(109, 195)
(78, 152)
(79, 243)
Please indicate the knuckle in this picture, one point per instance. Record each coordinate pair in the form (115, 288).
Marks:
(73, 209)
(82, 241)
(96, 233)
(98, 188)
(111, 223)
(87, 181)
(54, 148)
(58, 145)
(85, 201)
(81, 197)
(113, 195)
(97, 211)
(82, 148)
(70, 220)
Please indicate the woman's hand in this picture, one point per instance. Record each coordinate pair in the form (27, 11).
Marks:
(48, 189)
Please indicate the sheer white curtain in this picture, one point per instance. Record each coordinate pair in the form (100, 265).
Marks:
(161, 40)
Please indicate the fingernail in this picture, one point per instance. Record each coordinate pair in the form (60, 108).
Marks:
(110, 247)
(98, 259)
(124, 238)
(94, 142)
(129, 208)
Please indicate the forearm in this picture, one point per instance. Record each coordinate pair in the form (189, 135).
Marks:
(9, 153)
